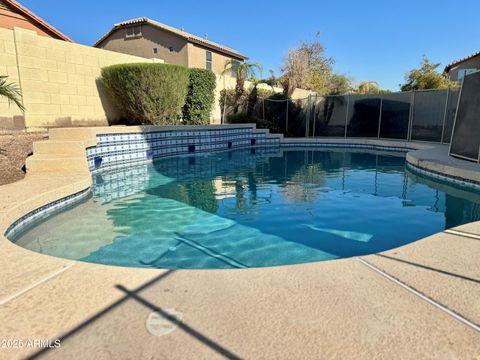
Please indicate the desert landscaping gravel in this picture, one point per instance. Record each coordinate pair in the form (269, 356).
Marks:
(14, 149)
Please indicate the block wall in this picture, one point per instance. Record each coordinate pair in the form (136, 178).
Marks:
(59, 80)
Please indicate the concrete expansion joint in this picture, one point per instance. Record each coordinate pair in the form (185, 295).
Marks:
(35, 284)
(464, 234)
(421, 295)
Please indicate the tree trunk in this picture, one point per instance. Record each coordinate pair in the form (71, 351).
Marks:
(239, 90)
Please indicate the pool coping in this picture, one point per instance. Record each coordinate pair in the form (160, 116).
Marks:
(38, 190)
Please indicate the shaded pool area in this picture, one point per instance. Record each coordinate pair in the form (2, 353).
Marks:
(247, 208)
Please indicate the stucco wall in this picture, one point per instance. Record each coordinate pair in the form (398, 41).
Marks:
(152, 37)
(197, 58)
(10, 19)
(473, 63)
(184, 54)
(58, 79)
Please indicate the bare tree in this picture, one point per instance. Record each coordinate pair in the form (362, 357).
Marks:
(308, 68)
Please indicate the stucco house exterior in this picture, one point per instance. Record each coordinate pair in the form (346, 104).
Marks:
(12, 14)
(456, 70)
(150, 39)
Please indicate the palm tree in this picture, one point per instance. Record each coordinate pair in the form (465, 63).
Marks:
(253, 96)
(243, 71)
(12, 92)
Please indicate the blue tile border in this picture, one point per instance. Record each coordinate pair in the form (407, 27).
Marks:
(343, 145)
(45, 211)
(453, 180)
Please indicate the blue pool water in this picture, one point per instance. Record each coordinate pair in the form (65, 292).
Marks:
(251, 209)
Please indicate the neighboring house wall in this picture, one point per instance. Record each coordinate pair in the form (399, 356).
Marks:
(470, 65)
(10, 19)
(184, 53)
(197, 58)
(59, 80)
(151, 37)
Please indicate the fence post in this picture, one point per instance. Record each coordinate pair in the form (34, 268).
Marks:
(380, 115)
(307, 119)
(263, 109)
(346, 117)
(314, 115)
(410, 117)
(445, 114)
(286, 121)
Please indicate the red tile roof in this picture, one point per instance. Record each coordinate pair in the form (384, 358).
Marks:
(189, 37)
(30, 15)
(456, 62)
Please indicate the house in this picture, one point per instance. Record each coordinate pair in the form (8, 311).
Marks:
(12, 14)
(456, 70)
(150, 39)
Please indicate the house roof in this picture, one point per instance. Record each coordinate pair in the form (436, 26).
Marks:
(15, 6)
(189, 37)
(456, 62)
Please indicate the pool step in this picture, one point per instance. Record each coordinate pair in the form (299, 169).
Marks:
(267, 133)
(56, 163)
(59, 147)
(72, 134)
(65, 150)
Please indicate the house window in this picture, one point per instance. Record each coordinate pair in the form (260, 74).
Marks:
(234, 65)
(134, 31)
(155, 51)
(171, 49)
(208, 58)
(462, 72)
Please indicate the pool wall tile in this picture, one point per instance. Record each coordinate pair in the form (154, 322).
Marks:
(120, 150)
(443, 178)
(45, 211)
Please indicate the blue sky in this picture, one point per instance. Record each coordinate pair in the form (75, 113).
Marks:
(370, 40)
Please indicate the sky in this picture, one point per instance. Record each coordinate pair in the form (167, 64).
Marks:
(369, 40)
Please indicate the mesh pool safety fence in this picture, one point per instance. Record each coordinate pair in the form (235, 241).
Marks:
(425, 115)
(465, 142)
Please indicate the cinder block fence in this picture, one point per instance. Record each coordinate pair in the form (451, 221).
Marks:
(58, 79)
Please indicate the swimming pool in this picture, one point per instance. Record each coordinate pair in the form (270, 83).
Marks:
(247, 208)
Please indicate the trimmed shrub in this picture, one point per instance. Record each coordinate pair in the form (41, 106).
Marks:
(200, 97)
(147, 93)
(240, 118)
(272, 114)
(247, 102)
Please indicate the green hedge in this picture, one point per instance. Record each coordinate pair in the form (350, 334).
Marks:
(200, 97)
(147, 93)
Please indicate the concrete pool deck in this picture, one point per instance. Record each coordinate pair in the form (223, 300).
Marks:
(416, 301)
